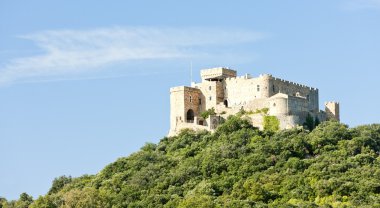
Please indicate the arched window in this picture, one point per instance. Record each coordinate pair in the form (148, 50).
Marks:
(190, 116)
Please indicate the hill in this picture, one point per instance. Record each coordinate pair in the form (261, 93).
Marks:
(237, 166)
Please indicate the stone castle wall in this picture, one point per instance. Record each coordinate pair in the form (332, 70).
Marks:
(182, 99)
(332, 110)
(177, 105)
(296, 90)
(220, 89)
(212, 93)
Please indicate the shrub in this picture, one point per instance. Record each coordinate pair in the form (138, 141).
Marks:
(271, 123)
(209, 112)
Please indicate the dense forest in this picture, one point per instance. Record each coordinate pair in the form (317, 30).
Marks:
(236, 166)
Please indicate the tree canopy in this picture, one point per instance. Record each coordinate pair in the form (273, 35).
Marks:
(237, 166)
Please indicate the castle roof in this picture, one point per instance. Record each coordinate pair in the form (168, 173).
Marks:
(217, 73)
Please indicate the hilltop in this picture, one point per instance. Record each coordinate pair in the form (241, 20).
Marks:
(236, 166)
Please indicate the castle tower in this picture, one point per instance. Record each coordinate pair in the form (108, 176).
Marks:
(222, 90)
(213, 85)
(265, 85)
(185, 104)
(332, 110)
(217, 74)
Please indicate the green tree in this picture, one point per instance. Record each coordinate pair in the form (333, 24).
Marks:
(316, 121)
(309, 123)
(24, 201)
(86, 198)
(207, 113)
(3, 202)
(44, 202)
(203, 201)
(59, 183)
(236, 166)
(271, 124)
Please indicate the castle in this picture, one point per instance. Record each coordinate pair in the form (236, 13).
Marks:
(227, 94)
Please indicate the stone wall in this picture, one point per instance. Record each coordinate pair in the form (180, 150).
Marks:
(212, 93)
(278, 105)
(191, 100)
(220, 89)
(296, 90)
(288, 121)
(177, 106)
(182, 99)
(215, 73)
(184, 125)
(332, 110)
(241, 90)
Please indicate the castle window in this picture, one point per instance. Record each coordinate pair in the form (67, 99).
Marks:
(191, 99)
(210, 98)
(200, 101)
(209, 87)
(225, 103)
(273, 88)
(258, 88)
(308, 97)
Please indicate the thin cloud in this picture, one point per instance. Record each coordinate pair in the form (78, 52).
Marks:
(354, 5)
(83, 51)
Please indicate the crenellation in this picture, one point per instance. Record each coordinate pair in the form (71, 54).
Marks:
(221, 89)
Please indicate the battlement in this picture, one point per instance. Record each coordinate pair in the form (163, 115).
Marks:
(217, 73)
(294, 83)
(246, 76)
(332, 110)
(331, 103)
(183, 88)
(265, 75)
(270, 77)
(225, 92)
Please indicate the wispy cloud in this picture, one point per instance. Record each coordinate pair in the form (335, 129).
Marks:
(83, 51)
(361, 5)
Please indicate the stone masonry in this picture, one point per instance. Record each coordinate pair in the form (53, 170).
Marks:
(228, 94)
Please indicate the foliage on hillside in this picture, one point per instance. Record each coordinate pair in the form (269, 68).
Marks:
(237, 166)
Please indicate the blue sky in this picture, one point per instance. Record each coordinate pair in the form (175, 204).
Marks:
(83, 83)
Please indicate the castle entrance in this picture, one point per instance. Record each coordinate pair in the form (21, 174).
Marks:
(190, 116)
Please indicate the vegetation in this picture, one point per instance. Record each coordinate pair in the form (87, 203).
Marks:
(23, 202)
(271, 123)
(59, 183)
(263, 111)
(311, 122)
(209, 112)
(237, 166)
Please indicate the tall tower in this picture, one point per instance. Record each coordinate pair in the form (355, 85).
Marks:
(184, 105)
(332, 110)
(213, 85)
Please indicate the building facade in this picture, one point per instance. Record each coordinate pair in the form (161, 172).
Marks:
(222, 90)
